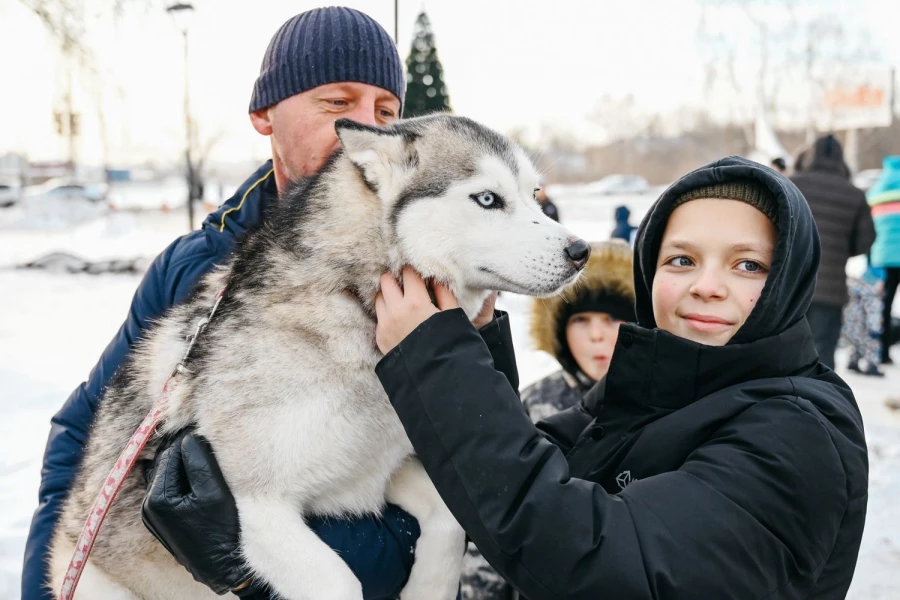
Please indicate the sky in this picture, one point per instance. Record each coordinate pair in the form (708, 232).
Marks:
(535, 65)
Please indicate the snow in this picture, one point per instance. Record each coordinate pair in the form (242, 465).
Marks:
(54, 326)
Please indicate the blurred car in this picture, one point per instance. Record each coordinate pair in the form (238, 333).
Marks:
(10, 193)
(866, 178)
(69, 190)
(618, 185)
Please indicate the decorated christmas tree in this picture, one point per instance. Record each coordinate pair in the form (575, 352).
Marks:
(425, 90)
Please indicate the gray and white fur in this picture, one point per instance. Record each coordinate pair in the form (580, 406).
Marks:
(282, 381)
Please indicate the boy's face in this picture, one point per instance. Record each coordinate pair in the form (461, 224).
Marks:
(712, 266)
(591, 337)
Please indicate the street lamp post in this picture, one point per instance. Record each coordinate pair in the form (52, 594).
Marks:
(181, 14)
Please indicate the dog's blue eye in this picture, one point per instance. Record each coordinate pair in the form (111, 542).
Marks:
(488, 200)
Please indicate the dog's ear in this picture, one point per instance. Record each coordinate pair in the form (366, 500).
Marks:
(383, 156)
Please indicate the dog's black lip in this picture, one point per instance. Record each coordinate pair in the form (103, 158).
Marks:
(499, 276)
(521, 288)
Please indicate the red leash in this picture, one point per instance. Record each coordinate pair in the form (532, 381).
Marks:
(123, 467)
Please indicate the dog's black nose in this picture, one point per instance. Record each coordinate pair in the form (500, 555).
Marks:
(578, 252)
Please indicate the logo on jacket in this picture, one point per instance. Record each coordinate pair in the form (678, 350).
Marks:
(623, 479)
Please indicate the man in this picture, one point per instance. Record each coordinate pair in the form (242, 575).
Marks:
(544, 200)
(301, 90)
(845, 228)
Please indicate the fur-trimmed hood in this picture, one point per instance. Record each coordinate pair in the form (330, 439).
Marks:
(609, 271)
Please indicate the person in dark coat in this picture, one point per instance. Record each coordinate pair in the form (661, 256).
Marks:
(623, 230)
(547, 205)
(717, 459)
(846, 228)
(368, 87)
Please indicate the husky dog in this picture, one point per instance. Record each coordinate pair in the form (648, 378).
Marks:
(282, 382)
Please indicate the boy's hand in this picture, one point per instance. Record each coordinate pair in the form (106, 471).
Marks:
(400, 310)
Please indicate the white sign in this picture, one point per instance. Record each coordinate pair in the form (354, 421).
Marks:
(855, 99)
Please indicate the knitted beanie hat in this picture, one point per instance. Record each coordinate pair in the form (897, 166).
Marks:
(327, 45)
(751, 192)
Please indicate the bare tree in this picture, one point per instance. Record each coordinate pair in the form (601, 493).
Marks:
(203, 151)
(67, 21)
(795, 49)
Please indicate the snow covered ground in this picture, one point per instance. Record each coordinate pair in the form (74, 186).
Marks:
(53, 328)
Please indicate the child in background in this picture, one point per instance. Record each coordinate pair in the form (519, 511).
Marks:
(580, 327)
(862, 326)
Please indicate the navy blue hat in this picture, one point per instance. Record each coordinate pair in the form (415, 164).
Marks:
(327, 45)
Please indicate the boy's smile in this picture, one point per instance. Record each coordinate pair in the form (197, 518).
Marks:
(711, 269)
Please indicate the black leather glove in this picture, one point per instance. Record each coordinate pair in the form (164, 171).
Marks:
(191, 511)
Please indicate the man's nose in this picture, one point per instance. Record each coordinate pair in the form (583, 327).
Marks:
(364, 112)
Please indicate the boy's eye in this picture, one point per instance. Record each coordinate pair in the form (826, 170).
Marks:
(751, 266)
(680, 261)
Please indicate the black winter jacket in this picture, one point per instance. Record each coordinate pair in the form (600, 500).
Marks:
(690, 471)
(841, 213)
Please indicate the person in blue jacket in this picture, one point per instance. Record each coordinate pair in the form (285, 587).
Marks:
(300, 92)
(623, 230)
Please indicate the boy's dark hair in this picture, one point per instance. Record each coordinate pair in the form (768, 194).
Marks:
(779, 164)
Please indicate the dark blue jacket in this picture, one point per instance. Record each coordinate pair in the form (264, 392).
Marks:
(623, 229)
(382, 564)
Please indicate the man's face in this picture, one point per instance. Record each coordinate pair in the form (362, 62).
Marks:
(712, 266)
(302, 126)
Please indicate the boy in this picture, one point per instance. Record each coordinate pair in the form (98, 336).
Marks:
(718, 458)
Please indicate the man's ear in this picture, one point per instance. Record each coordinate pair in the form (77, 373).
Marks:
(384, 157)
(261, 121)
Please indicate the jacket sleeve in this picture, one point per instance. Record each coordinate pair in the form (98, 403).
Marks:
(497, 337)
(863, 229)
(754, 510)
(379, 551)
